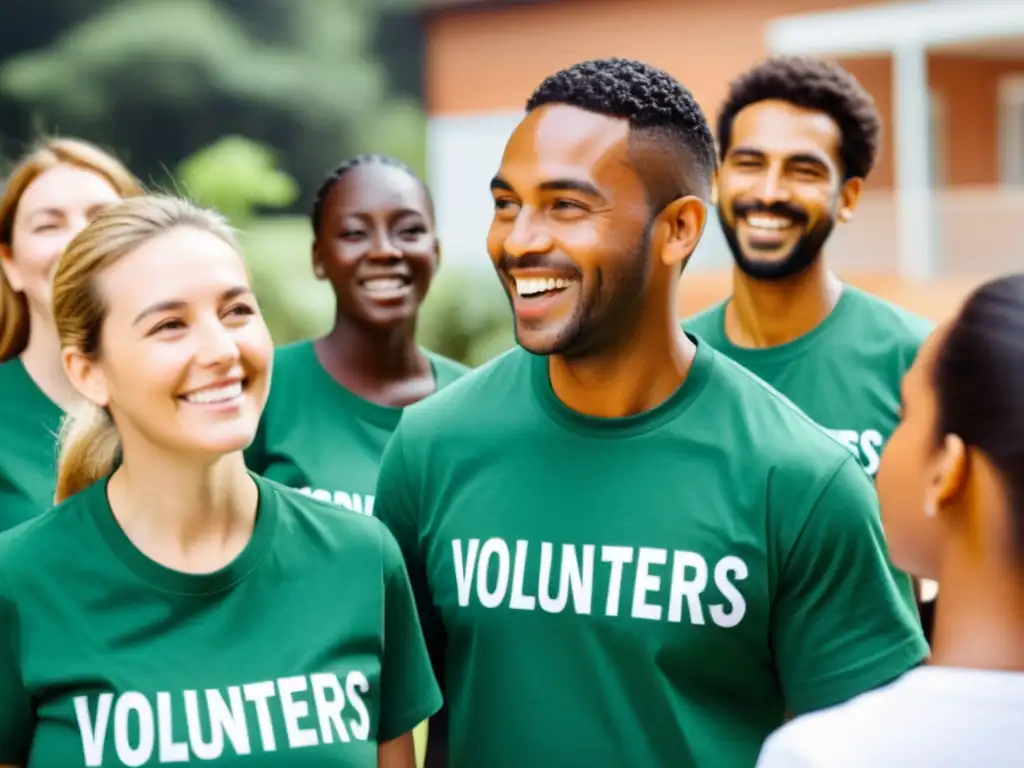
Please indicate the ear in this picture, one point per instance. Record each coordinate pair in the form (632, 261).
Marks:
(849, 196)
(714, 188)
(438, 252)
(10, 270)
(950, 472)
(684, 218)
(86, 376)
(318, 265)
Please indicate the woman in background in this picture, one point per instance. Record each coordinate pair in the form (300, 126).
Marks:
(52, 193)
(951, 485)
(336, 400)
(174, 607)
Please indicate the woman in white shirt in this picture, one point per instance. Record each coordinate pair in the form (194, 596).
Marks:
(951, 487)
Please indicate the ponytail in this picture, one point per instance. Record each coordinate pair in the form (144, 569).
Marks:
(89, 447)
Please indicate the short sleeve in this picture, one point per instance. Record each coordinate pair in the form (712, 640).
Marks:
(840, 623)
(409, 692)
(396, 504)
(16, 711)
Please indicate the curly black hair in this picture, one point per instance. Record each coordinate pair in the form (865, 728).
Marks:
(355, 162)
(814, 84)
(652, 101)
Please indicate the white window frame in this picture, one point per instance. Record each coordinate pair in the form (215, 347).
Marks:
(1011, 130)
(938, 127)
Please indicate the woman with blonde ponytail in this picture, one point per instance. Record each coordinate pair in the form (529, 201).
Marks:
(49, 197)
(202, 612)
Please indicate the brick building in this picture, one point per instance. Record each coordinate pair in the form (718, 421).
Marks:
(945, 207)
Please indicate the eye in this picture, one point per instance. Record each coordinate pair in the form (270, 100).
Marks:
(352, 234)
(241, 310)
(807, 172)
(562, 204)
(166, 326)
(415, 231)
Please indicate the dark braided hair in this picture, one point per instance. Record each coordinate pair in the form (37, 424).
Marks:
(653, 102)
(354, 162)
(812, 84)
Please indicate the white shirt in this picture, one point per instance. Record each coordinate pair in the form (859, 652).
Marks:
(932, 717)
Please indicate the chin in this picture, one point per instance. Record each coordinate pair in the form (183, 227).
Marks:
(219, 442)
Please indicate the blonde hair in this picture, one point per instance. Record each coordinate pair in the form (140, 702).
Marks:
(49, 153)
(89, 443)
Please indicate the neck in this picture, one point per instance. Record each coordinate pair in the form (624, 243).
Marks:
(42, 361)
(979, 615)
(764, 313)
(360, 354)
(642, 369)
(188, 515)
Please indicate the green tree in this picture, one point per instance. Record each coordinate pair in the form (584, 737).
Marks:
(236, 176)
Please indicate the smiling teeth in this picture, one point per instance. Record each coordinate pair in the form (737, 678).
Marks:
(768, 222)
(382, 284)
(217, 395)
(531, 286)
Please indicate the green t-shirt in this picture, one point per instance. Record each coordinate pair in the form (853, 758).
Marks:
(647, 591)
(845, 374)
(29, 424)
(319, 437)
(304, 651)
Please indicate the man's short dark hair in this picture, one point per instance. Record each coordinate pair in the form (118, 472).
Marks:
(655, 104)
(817, 85)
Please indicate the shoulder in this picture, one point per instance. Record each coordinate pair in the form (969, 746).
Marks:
(766, 415)
(296, 353)
(445, 370)
(850, 734)
(470, 396)
(320, 522)
(41, 545)
(899, 325)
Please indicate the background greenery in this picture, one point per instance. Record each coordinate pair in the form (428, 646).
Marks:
(243, 105)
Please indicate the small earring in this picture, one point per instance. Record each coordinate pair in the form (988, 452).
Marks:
(930, 510)
(318, 270)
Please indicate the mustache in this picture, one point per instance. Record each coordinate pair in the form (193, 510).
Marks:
(537, 261)
(787, 210)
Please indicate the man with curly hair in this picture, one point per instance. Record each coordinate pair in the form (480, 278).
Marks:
(797, 138)
(623, 545)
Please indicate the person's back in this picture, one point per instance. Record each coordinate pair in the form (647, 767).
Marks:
(933, 716)
(951, 493)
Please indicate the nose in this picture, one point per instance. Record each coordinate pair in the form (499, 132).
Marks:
(772, 187)
(527, 236)
(382, 248)
(215, 345)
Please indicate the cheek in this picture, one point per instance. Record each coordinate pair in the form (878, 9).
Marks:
(36, 255)
(901, 492)
(145, 376)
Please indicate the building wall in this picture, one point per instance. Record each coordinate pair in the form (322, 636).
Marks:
(483, 62)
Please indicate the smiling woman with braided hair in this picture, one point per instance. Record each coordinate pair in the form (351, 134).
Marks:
(336, 400)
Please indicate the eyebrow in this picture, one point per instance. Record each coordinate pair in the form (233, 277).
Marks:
(179, 304)
(555, 185)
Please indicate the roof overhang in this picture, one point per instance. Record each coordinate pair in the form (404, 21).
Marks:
(883, 28)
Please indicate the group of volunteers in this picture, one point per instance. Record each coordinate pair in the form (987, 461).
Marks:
(632, 541)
